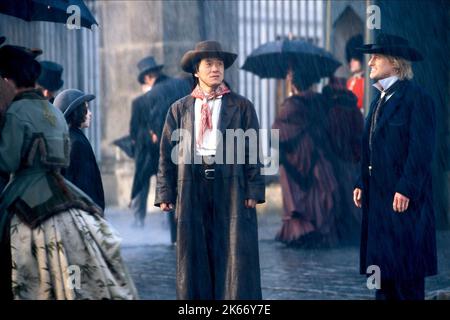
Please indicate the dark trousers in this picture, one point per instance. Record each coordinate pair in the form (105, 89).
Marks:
(139, 203)
(401, 290)
(205, 196)
(172, 226)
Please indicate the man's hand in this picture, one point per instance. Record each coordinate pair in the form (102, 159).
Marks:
(153, 137)
(250, 203)
(166, 206)
(400, 203)
(357, 193)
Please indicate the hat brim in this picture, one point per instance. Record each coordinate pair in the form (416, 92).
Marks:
(76, 103)
(141, 75)
(191, 58)
(407, 53)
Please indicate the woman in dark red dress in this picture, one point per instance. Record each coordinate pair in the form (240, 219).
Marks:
(308, 182)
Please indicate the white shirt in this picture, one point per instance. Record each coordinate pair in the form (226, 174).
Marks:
(385, 84)
(209, 144)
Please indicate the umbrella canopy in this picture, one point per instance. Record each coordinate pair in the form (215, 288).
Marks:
(126, 145)
(274, 59)
(159, 100)
(46, 10)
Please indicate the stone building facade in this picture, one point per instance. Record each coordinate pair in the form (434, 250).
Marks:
(130, 30)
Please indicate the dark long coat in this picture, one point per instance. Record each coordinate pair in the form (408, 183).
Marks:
(237, 272)
(153, 112)
(145, 151)
(345, 125)
(83, 170)
(403, 245)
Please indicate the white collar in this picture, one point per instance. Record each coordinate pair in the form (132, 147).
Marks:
(384, 84)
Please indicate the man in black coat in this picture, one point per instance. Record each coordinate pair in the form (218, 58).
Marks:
(395, 187)
(161, 98)
(215, 195)
(50, 81)
(144, 138)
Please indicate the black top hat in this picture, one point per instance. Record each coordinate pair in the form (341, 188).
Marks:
(351, 51)
(147, 65)
(70, 99)
(392, 45)
(50, 77)
(206, 49)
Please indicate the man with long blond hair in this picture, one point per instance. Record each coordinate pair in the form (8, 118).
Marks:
(395, 187)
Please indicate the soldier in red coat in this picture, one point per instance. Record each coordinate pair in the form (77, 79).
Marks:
(355, 62)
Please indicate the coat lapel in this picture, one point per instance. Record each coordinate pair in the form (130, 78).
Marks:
(189, 121)
(227, 111)
(390, 106)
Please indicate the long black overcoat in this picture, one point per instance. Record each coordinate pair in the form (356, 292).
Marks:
(237, 270)
(403, 245)
(144, 150)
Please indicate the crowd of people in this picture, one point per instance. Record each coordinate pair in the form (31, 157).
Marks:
(52, 204)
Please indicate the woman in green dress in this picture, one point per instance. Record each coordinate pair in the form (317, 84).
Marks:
(54, 242)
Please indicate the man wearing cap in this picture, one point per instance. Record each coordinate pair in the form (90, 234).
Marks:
(395, 187)
(144, 139)
(49, 81)
(217, 240)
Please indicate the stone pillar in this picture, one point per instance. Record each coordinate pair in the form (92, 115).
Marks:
(129, 30)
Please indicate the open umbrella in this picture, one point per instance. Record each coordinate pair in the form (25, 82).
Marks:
(46, 10)
(126, 145)
(274, 59)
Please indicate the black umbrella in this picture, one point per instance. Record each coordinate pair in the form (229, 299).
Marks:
(274, 59)
(126, 145)
(159, 100)
(47, 10)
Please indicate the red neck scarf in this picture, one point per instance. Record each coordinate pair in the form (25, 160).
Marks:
(206, 116)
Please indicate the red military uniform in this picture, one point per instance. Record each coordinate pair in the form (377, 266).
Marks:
(356, 85)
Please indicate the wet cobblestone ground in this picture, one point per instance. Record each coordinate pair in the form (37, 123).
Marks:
(286, 273)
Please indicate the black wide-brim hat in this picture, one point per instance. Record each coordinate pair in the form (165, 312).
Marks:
(393, 46)
(147, 65)
(70, 99)
(206, 49)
